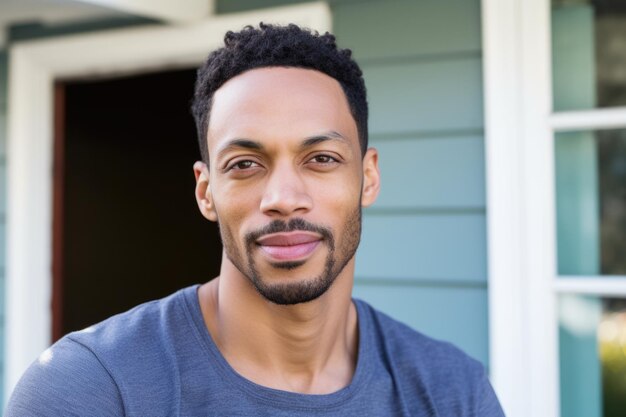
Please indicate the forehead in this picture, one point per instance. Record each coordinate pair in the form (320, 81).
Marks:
(281, 104)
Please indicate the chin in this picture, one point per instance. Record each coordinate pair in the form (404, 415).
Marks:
(293, 292)
(290, 265)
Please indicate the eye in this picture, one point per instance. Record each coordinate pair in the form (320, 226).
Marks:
(242, 165)
(323, 159)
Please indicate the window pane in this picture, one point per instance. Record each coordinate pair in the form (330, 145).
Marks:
(591, 202)
(588, 44)
(592, 345)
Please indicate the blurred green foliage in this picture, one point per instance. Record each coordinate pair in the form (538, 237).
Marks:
(613, 357)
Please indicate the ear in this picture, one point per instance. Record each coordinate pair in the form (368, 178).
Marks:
(203, 191)
(371, 178)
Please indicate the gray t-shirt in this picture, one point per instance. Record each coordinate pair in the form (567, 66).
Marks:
(158, 359)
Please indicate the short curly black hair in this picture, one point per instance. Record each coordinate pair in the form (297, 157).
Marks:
(278, 46)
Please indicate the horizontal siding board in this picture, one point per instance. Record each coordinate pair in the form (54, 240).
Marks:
(3, 190)
(3, 135)
(2, 302)
(233, 6)
(429, 247)
(2, 305)
(425, 96)
(431, 173)
(385, 29)
(2, 248)
(455, 315)
(409, 26)
(2, 338)
(3, 79)
(2, 360)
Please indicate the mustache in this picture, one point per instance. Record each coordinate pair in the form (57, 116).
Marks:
(281, 226)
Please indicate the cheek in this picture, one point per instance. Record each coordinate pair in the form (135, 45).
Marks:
(341, 188)
(341, 197)
(234, 206)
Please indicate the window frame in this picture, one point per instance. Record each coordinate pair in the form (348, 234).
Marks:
(520, 127)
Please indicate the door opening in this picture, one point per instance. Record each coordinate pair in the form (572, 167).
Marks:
(126, 225)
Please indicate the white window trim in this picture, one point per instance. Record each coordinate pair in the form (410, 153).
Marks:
(603, 286)
(521, 206)
(519, 142)
(33, 69)
(607, 118)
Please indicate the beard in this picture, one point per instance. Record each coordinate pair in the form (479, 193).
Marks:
(304, 289)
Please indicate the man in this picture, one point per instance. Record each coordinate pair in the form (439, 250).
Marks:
(285, 171)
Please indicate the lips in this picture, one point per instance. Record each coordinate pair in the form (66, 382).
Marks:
(290, 246)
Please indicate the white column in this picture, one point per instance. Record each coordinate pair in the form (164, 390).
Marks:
(520, 206)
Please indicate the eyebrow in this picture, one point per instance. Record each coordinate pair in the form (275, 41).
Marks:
(330, 135)
(244, 143)
(240, 143)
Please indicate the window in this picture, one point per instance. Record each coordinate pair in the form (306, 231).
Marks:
(589, 130)
(555, 109)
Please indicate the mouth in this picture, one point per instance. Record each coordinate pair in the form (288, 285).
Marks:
(292, 246)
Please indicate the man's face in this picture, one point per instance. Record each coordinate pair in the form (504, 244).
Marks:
(286, 180)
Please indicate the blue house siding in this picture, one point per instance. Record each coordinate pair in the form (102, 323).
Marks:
(423, 255)
(422, 96)
(423, 247)
(455, 180)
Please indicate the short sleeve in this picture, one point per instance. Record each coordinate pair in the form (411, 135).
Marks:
(66, 380)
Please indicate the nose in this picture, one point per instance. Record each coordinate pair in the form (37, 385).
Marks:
(285, 194)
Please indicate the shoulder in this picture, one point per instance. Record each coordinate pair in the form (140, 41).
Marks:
(67, 379)
(142, 347)
(456, 384)
(110, 361)
(409, 345)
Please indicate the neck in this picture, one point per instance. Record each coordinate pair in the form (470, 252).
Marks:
(308, 347)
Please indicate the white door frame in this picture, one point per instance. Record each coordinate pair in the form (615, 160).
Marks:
(33, 69)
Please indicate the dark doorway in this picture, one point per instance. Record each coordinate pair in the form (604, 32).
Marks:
(126, 225)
